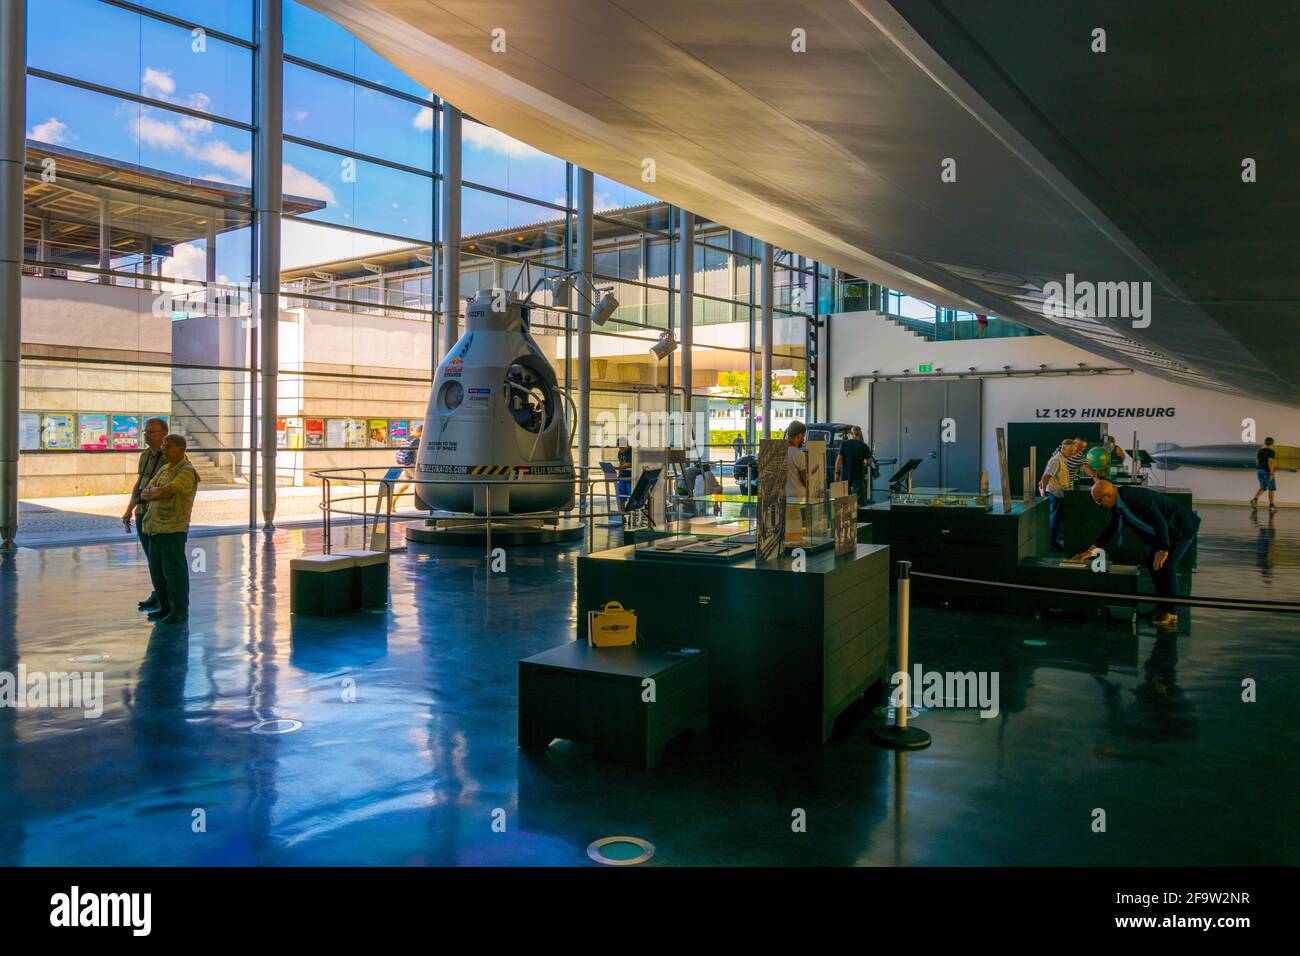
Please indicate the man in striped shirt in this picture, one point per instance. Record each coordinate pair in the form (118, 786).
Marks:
(1074, 463)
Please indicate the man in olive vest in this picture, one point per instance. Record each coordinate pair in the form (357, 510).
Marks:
(151, 459)
(170, 494)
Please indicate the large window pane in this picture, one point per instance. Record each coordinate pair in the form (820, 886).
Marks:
(361, 195)
(315, 37)
(127, 51)
(338, 113)
(491, 158)
(112, 128)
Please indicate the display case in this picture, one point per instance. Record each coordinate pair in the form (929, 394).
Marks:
(943, 498)
(809, 525)
(724, 528)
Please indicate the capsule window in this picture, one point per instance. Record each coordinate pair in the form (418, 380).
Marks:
(452, 395)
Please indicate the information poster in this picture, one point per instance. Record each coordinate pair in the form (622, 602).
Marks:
(771, 499)
(336, 433)
(281, 433)
(315, 432)
(124, 431)
(355, 432)
(417, 426)
(378, 433)
(56, 431)
(397, 433)
(29, 431)
(92, 432)
(846, 524)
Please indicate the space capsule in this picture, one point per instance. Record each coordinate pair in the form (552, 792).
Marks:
(496, 417)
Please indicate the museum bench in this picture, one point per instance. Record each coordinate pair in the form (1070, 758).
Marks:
(627, 702)
(329, 584)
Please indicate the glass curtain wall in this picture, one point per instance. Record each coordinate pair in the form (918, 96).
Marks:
(137, 223)
(138, 296)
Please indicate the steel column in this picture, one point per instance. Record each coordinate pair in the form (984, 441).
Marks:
(270, 65)
(13, 126)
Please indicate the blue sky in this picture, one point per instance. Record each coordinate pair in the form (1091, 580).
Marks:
(107, 45)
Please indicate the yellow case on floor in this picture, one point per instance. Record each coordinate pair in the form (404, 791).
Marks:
(611, 626)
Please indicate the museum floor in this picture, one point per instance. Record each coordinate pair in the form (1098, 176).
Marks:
(1152, 730)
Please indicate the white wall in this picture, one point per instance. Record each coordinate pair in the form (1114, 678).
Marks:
(862, 342)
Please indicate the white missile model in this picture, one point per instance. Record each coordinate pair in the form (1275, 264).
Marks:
(495, 418)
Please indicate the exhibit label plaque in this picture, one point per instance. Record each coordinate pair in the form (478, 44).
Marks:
(846, 524)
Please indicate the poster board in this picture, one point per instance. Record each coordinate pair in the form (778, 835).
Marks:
(845, 513)
(815, 455)
(1002, 467)
(770, 534)
(314, 433)
(125, 431)
(92, 431)
(354, 432)
(378, 433)
(56, 432)
(398, 432)
(29, 431)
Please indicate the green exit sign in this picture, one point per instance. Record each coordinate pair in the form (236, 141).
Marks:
(927, 367)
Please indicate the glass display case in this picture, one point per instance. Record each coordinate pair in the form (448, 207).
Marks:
(940, 498)
(725, 528)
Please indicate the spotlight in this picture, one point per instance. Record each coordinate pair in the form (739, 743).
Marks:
(665, 347)
(603, 308)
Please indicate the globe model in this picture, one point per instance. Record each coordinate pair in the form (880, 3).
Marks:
(1098, 459)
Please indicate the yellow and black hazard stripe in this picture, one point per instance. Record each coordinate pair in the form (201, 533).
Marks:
(491, 469)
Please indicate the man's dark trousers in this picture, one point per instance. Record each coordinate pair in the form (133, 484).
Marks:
(144, 545)
(170, 572)
(1166, 579)
(1056, 510)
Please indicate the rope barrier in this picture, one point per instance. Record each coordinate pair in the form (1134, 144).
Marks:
(1231, 604)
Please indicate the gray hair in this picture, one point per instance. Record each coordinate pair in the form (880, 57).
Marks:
(176, 439)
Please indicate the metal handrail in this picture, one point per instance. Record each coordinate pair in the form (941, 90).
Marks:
(360, 476)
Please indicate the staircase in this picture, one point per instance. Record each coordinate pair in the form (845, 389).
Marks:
(210, 473)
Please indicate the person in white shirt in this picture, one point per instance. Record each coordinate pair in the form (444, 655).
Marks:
(796, 462)
(707, 484)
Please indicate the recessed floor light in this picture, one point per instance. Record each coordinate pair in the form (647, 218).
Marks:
(89, 659)
(276, 725)
(1034, 643)
(621, 850)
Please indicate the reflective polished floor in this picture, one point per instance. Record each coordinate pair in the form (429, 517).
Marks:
(1151, 729)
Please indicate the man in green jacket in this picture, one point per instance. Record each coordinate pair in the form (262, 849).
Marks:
(151, 459)
(170, 494)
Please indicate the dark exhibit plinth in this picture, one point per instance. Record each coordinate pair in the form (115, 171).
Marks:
(789, 650)
(962, 542)
(1083, 521)
(1121, 580)
(627, 702)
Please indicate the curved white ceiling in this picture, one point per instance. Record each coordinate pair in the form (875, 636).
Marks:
(837, 152)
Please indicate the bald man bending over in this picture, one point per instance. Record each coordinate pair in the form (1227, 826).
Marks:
(1165, 526)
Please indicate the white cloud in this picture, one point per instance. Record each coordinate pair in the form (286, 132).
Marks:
(297, 183)
(238, 162)
(423, 119)
(151, 131)
(304, 243)
(157, 83)
(187, 261)
(487, 138)
(53, 131)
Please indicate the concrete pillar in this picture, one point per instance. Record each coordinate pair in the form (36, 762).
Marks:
(105, 237)
(765, 303)
(686, 296)
(43, 249)
(449, 150)
(13, 127)
(584, 200)
(268, 196)
(211, 272)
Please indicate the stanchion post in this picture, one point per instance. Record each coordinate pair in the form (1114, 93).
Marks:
(487, 524)
(899, 736)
